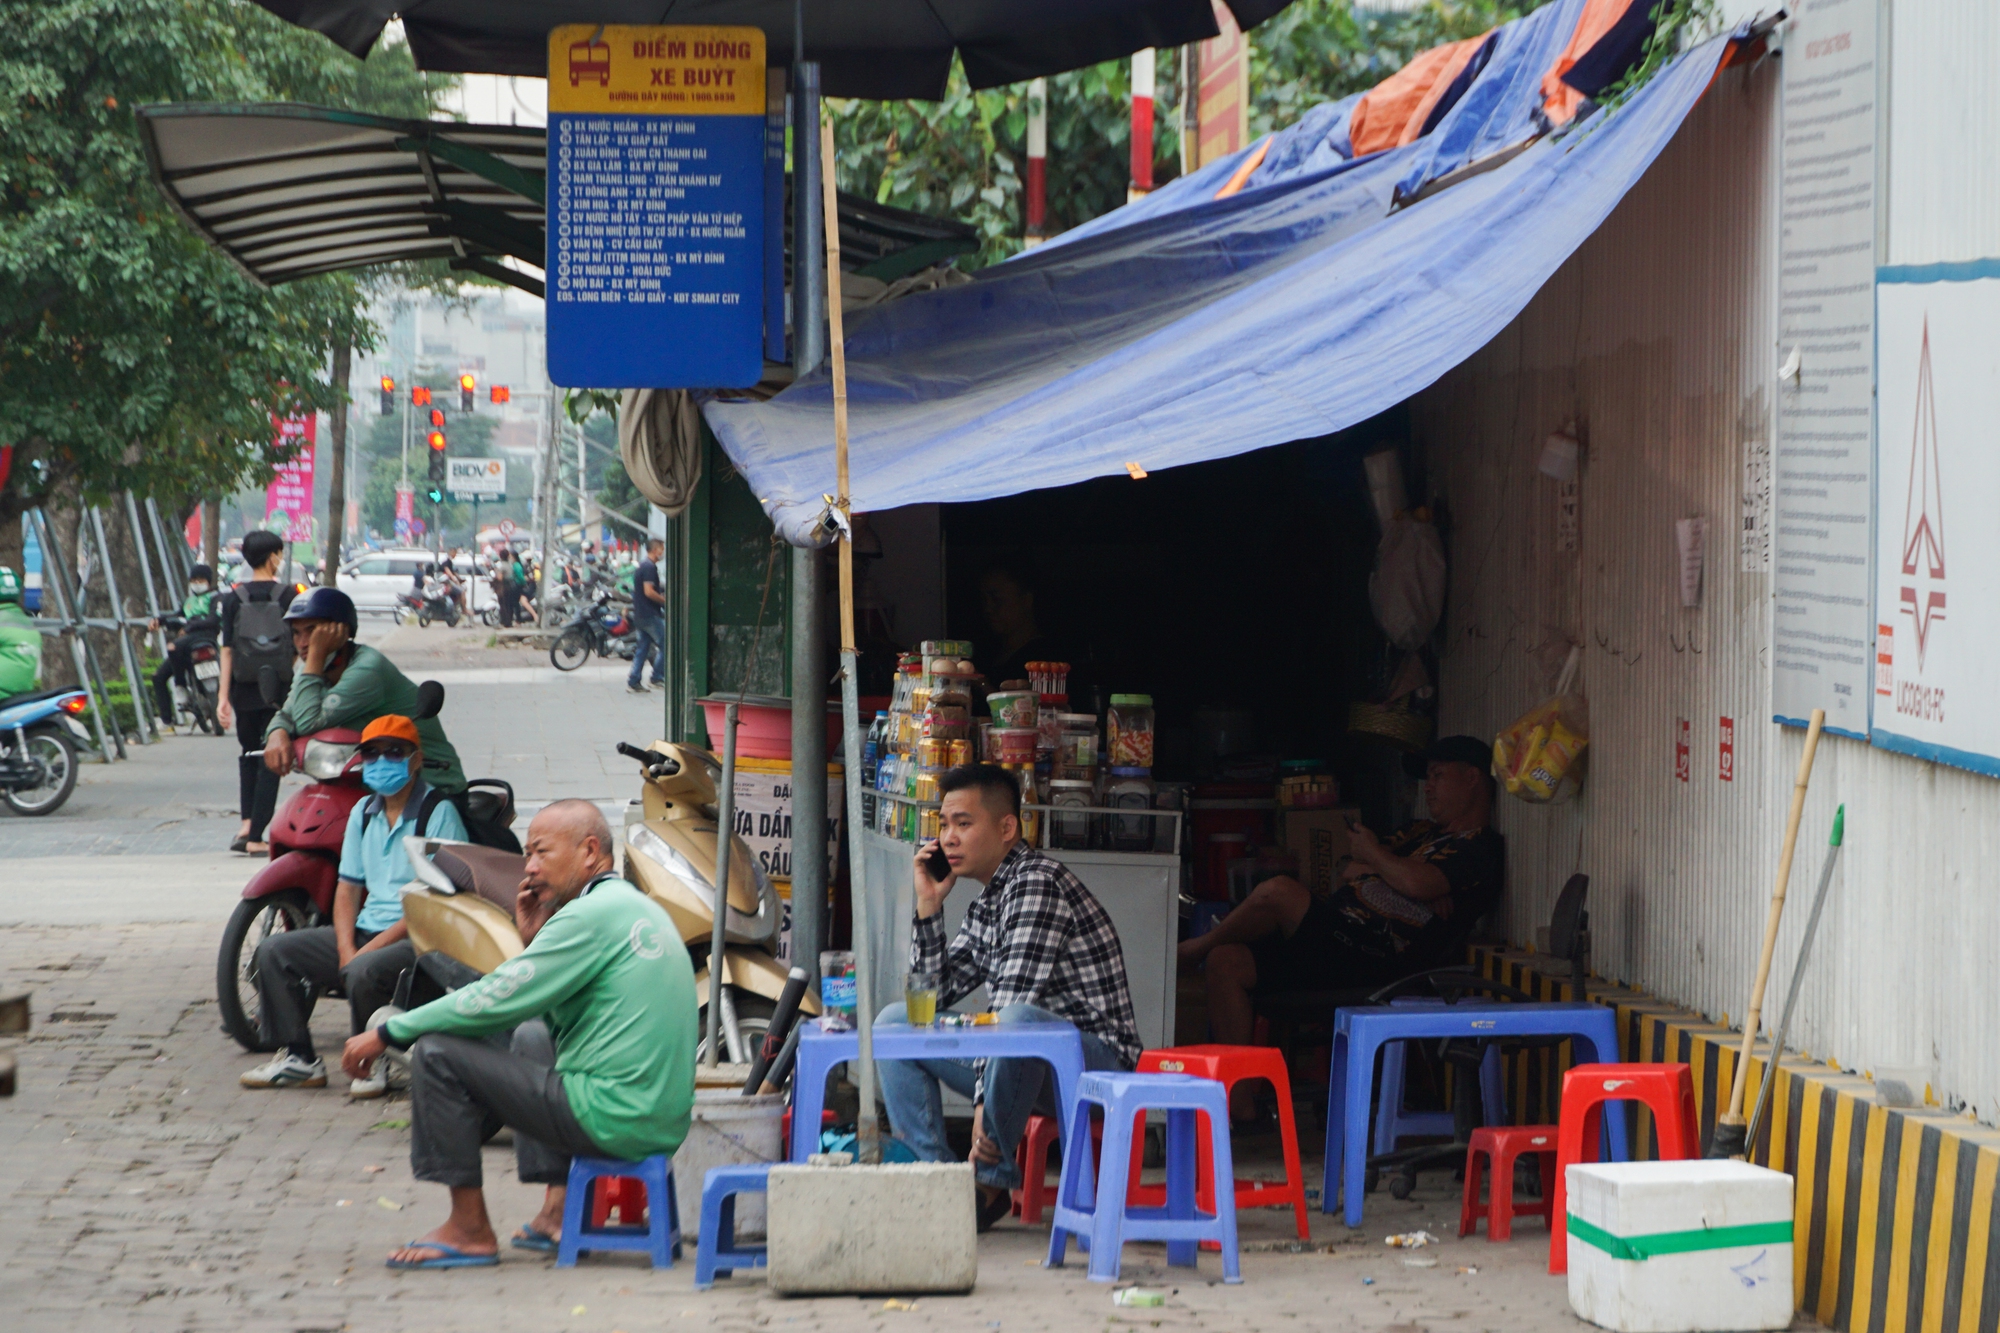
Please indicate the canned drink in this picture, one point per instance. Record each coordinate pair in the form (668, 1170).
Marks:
(935, 752)
(960, 752)
(929, 824)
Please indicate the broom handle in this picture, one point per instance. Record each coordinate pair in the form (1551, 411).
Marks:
(1734, 1115)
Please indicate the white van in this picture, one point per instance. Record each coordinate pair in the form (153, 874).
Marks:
(375, 580)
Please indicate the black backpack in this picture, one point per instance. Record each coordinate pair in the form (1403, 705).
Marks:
(261, 636)
(488, 815)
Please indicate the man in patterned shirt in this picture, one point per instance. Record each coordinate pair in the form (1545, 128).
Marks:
(1043, 948)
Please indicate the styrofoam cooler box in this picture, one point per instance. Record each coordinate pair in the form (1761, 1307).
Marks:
(1680, 1247)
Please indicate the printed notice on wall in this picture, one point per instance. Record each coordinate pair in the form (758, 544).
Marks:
(656, 206)
(1937, 550)
(1824, 635)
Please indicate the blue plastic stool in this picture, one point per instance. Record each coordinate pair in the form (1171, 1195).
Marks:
(1393, 1123)
(1095, 1209)
(660, 1237)
(716, 1253)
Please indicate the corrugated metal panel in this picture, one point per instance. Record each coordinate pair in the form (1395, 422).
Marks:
(1657, 339)
(1943, 131)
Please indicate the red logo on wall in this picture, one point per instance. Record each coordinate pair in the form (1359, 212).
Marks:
(1922, 593)
(1728, 757)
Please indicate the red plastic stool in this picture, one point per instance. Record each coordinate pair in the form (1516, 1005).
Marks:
(1667, 1091)
(1230, 1065)
(1501, 1145)
(1032, 1156)
(625, 1194)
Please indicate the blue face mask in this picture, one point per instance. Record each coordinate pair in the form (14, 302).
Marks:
(386, 777)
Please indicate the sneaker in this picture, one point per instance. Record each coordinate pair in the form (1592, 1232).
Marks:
(375, 1085)
(286, 1070)
(637, 689)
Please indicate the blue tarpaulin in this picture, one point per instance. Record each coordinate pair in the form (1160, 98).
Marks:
(1185, 327)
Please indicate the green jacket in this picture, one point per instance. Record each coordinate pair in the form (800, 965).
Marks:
(20, 651)
(612, 977)
(370, 688)
(199, 605)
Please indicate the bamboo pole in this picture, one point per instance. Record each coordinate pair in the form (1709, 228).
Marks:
(1730, 1129)
(867, 1128)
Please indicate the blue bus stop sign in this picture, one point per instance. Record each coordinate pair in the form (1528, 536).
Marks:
(656, 209)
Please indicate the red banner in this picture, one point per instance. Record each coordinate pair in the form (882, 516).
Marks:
(288, 500)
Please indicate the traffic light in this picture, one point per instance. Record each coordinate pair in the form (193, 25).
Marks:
(388, 396)
(437, 418)
(434, 493)
(420, 397)
(437, 458)
(465, 387)
(500, 393)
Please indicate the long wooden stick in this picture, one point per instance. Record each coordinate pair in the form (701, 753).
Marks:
(1734, 1115)
(836, 344)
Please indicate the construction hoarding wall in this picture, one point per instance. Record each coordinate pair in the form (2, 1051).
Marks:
(1658, 340)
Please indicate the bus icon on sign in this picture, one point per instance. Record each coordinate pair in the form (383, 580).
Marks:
(589, 60)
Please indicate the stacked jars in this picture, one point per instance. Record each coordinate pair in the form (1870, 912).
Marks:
(1128, 735)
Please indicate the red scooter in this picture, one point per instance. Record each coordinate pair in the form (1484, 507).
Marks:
(295, 889)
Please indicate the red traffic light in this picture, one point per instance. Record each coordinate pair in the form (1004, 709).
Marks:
(420, 396)
(437, 440)
(388, 385)
(500, 393)
(437, 416)
(466, 382)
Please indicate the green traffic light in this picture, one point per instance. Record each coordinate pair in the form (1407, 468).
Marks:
(434, 495)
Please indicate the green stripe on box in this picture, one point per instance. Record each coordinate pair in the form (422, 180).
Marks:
(1641, 1248)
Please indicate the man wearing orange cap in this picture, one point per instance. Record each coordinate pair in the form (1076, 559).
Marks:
(367, 946)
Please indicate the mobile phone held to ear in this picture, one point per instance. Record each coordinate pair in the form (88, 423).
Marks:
(935, 864)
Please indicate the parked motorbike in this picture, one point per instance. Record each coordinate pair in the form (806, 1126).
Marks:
(598, 627)
(461, 913)
(196, 696)
(38, 739)
(295, 889)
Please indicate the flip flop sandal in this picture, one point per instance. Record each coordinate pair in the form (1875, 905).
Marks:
(527, 1238)
(449, 1256)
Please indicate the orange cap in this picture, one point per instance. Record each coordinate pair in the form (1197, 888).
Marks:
(393, 725)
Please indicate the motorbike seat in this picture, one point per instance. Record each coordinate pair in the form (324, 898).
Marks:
(493, 874)
(36, 696)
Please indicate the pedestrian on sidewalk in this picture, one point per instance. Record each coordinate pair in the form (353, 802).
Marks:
(255, 636)
(367, 946)
(606, 973)
(649, 619)
(503, 585)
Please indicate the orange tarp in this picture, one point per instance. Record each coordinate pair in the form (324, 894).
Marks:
(1560, 100)
(1393, 112)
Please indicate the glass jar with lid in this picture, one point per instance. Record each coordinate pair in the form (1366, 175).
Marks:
(1069, 813)
(1128, 731)
(1130, 789)
(1076, 747)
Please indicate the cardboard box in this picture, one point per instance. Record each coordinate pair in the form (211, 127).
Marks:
(1318, 838)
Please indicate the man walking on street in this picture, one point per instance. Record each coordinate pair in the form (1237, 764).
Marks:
(602, 1005)
(367, 946)
(649, 618)
(254, 636)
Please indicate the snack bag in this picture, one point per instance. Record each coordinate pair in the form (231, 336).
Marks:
(1539, 757)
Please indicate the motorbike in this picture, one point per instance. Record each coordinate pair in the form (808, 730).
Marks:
(294, 890)
(434, 603)
(196, 696)
(460, 914)
(38, 739)
(597, 627)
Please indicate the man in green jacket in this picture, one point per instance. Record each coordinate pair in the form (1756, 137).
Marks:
(341, 683)
(609, 1072)
(20, 641)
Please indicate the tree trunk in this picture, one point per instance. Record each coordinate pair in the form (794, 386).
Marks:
(336, 474)
(211, 532)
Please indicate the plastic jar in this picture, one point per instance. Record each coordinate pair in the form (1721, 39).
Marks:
(1076, 747)
(1130, 788)
(1069, 817)
(1012, 708)
(1011, 745)
(1128, 731)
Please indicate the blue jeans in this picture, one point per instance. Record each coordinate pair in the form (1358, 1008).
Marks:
(1016, 1087)
(646, 649)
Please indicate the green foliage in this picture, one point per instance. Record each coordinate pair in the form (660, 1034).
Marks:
(131, 354)
(964, 157)
(1677, 24)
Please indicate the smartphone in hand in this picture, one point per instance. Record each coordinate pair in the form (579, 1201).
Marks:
(935, 864)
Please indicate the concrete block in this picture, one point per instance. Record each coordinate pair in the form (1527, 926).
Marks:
(901, 1228)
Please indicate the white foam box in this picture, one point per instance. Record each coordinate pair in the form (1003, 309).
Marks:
(1680, 1247)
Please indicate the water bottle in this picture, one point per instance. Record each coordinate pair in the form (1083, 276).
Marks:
(871, 755)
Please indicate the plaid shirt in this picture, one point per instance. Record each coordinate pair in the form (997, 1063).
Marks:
(1036, 936)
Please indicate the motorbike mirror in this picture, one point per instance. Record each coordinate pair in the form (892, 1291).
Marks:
(430, 699)
(268, 688)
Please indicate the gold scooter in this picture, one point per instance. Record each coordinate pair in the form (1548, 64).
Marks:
(462, 905)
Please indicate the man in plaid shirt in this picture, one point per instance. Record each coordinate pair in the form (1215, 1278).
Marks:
(1044, 949)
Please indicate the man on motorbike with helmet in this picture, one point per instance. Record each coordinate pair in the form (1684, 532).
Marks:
(367, 946)
(341, 683)
(20, 641)
(200, 624)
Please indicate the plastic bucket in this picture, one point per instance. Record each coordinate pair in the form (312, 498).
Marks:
(729, 1129)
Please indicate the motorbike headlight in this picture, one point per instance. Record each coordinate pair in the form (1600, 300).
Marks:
(326, 760)
(657, 850)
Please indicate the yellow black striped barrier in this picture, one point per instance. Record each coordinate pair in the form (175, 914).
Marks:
(1895, 1208)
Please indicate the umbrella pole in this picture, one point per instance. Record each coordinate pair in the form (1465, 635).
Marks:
(867, 1129)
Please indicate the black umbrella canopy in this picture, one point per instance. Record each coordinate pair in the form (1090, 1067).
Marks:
(882, 49)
